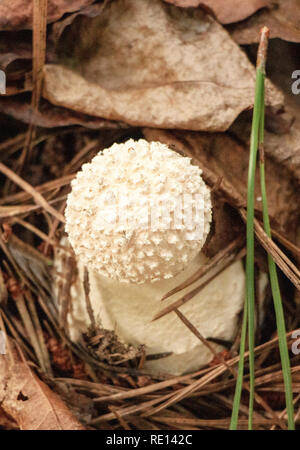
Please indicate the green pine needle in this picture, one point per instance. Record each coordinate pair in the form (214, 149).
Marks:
(257, 139)
(283, 347)
(239, 380)
(250, 280)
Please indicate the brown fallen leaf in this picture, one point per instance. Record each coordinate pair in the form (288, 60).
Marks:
(17, 14)
(152, 64)
(226, 226)
(284, 148)
(29, 401)
(49, 116)
(226, 11)
(283, 61)
(6, 422)
(283, 20)
(59, 27)
(12, 47)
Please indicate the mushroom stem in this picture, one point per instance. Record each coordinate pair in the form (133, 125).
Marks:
(128, 310)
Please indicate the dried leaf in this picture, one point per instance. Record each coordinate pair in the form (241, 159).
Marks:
(152, 64)
(6, 422)
(14, 47)
(90, 11)
(29, 401)
(50, 116)
(283, 20)
(282, 148)
(225, 227)
(226, 11)
(17, 14)
(3, 289)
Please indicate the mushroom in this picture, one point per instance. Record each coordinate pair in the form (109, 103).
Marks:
(137, 218)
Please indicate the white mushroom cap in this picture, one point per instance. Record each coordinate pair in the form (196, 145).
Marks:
(139, 212)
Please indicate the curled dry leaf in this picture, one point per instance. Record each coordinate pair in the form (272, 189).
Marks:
(226, 11)
(6, 422)
(282, 18)
(3, 289)
(283, 148)
(152, 64)
(17, 14)
(49, 116)
(29, 401)
(281, 70)
(13, 47)
(59, 27)
(225, 227)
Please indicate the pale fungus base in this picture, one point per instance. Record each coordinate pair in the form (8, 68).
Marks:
(128, 309)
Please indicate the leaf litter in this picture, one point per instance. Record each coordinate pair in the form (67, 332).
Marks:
(190, 75)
